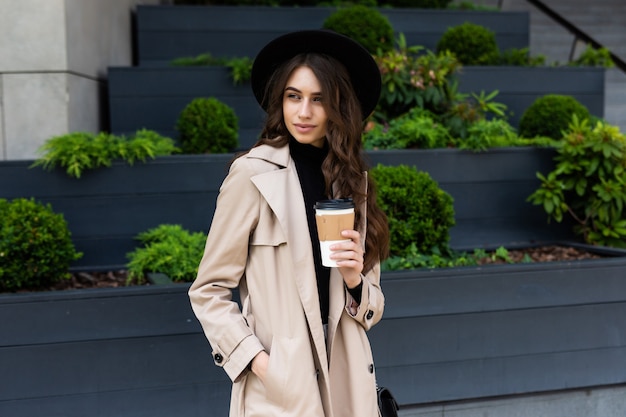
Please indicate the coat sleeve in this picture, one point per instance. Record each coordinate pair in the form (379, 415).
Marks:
(221, 269)
(370, 310)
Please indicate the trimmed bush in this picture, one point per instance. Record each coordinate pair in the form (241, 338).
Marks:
(36, 248)
(550, 116)
(206, 125)
(472, 44)
(365, 25)
(420, 213)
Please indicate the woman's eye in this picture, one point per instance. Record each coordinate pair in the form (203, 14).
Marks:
(293, 96)
(317, 99)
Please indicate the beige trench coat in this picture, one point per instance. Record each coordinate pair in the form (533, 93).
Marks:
(259, 242)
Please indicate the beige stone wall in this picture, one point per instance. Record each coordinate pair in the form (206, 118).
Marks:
(54, 56)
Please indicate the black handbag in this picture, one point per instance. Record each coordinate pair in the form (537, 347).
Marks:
(387, 404)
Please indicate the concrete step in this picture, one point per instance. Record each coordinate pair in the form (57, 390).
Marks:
(615, 98)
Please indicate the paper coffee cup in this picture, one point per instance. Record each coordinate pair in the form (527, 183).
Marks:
(332, 217)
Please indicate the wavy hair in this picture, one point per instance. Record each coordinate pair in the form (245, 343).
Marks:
(344, 166)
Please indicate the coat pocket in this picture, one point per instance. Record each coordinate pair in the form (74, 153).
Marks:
(290, 377)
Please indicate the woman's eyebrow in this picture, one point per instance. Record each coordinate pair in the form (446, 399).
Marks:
(289, 88)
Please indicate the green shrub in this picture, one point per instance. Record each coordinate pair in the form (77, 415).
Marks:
(36, 249)
(240, 67)
(81, 151)
(419, 212)
(550, 115)
(249, 2)
(485, 134)
(520, 57)
(412, 77)
(418, 4)
(206, 125)
(468, 5)
(363, 24)
(145, 144)
(414, 259)
(466, 109)
(416, 129)
(592, 57)
(588, 183)
(168, 249)
(472, 44)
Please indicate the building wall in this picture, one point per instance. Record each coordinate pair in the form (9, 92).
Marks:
(597, 402)
(55, 55)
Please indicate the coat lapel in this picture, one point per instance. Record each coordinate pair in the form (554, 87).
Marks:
(337, 288)
(281, 189)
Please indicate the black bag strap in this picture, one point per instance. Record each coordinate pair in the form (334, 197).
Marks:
(387, 404)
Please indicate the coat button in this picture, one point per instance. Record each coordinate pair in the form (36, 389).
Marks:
(369, 315)
(371, 368)
(218, 358)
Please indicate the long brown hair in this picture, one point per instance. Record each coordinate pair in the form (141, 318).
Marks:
(344, 166)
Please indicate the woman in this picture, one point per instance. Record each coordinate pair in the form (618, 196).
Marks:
(297, 345)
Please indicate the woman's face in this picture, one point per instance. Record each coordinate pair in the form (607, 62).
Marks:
(303, 112)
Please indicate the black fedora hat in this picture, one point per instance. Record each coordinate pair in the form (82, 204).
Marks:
(363, 70)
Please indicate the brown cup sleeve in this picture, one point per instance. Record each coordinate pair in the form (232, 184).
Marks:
(329, 227)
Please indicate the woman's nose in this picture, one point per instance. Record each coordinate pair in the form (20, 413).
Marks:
(305, 109)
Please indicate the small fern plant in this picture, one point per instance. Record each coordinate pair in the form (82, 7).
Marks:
(240, 67)
(81, 151)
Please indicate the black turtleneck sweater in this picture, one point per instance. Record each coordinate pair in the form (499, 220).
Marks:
(308, 159)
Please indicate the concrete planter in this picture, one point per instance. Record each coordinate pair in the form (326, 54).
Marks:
(469, 333)
(519, 87)
(447, 335)
(153, 97)
(168, 32)
(107, 208)
(135, 351)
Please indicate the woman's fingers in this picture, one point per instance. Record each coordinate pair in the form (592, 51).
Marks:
(349, 257)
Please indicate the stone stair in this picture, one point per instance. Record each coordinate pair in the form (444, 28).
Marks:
(603, 20)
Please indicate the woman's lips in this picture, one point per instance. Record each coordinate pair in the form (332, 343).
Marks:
(302, 128)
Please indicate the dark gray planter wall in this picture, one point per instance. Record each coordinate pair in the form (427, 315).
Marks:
(107, 208)
(154, 97)
(168, 32)
(455, 334)
(519, 87)
(109, 353)
(500, 330)
(489, 191)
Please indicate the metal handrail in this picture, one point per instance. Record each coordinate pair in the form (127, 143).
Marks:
(576, 31)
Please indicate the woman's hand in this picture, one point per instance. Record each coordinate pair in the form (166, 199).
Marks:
(349, 257)
(259, 365)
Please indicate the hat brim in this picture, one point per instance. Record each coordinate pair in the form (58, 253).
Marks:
(362, 68)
